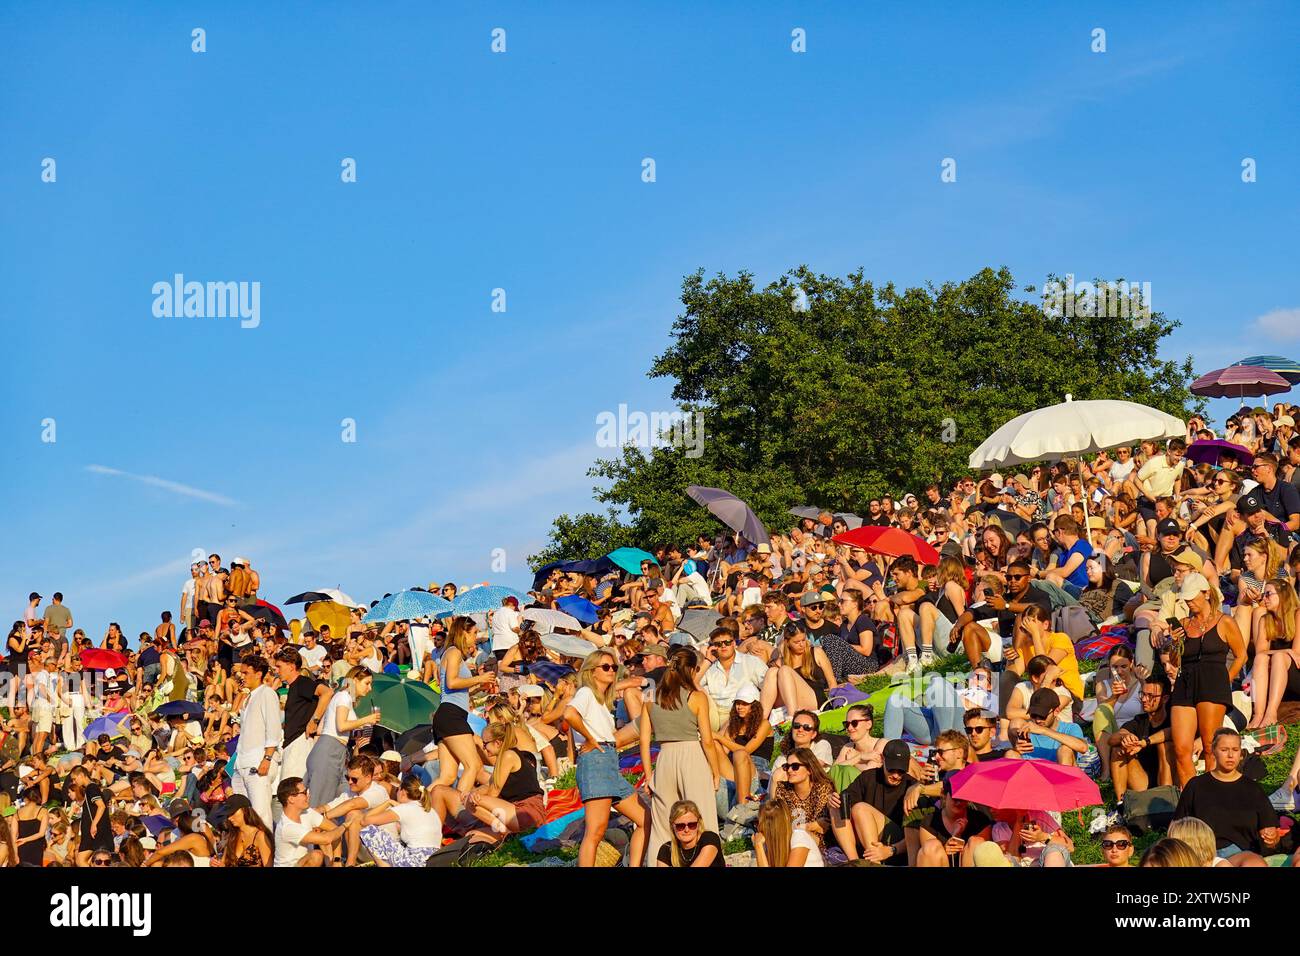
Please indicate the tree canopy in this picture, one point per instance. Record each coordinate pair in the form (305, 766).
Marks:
(852, 390)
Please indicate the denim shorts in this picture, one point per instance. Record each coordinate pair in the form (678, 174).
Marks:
(598, 776)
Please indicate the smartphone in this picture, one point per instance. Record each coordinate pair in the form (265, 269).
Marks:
(1173, 623)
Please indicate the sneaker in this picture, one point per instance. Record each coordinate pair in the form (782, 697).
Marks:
(927, 658)
(914, 665)
(1283, 798)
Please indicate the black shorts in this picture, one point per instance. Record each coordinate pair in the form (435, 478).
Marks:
(450, 721)
(1202, 683)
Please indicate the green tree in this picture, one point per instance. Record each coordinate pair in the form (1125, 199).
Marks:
(586, 536)
(869, 390)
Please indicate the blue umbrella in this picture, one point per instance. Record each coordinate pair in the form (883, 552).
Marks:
(579, 607)
(629, 559)
(482, 599)
(180, 708)
(111, 724)
(156, 823)
(585, 566)
(1289, 369)
(546, 672)
(406, 606)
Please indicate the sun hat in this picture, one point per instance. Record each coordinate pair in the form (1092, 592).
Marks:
(1021, 477)
(1285, 420)
(1193, 585)
(531, 690)
(764, 549)
(996, 480)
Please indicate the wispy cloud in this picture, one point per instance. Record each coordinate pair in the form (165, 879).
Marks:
(175, 487)
(1279, 324)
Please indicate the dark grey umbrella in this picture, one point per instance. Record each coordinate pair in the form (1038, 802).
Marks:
(805, 511)
(850, 519)
(698, 622)
(731, 511)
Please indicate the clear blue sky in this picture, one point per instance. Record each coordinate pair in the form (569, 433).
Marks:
(522, 171)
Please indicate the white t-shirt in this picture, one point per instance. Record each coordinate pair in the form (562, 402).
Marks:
(312, 656)
(504, 620)
(288, 837)
(802, 838)
(595, 716)
(1119, 470)
(420, 828)
(329, 725)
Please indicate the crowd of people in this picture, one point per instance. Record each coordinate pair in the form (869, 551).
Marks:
(714, 699)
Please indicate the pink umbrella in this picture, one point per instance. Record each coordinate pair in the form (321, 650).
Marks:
(1239, 381)
(1025, 785)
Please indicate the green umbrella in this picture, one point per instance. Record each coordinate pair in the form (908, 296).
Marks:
(403, 704)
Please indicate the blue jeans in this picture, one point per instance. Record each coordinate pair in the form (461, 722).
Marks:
(939, 710)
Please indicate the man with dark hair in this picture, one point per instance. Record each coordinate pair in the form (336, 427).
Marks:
(57, 617)
(1281, 499)
(301, 838)
(906, 574)
(366, 794)
(1072, 573)
(304, 709)
(257, 755)
(1142, 751)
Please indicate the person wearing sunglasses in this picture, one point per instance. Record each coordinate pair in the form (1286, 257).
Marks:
(863, 751)
(1117, 847)
(951, 832)
(726, 670)
(981, 731)
(1275, 675)
(691, 843)
(873, 804)
(805, 732)
(600, 784)
(365, 794)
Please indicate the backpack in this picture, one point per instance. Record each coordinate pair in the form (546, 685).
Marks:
(459, 853)
(1073, 619)
(1151, 809)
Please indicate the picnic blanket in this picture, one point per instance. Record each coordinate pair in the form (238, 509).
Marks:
(1097, 647)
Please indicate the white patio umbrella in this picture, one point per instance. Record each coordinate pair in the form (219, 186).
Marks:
(1073, 428)
(547, 620)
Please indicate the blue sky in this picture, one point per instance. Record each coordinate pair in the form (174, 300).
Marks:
(522, 171)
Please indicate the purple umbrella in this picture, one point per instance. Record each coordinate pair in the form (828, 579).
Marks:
(731, 511)
(1207, 452)
(1239, 381)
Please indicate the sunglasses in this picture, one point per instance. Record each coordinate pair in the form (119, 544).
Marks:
(853, 723)
(793, 765)
(101, 862)
(1016, 577)
(1115, 844)
(721, 643)
(607, 667)
(686, 826)
(352, 779)
(977, 730)
(809, 727)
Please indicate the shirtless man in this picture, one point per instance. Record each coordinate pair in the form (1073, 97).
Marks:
(212, 589)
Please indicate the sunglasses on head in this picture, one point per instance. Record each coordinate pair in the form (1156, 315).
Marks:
(1115, 844)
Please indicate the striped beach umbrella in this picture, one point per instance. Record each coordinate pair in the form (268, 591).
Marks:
(1240, 381)
(1289, 369)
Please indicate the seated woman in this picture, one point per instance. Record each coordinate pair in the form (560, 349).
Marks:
(1263, 561)
(802, 677)
(1235, 807)
(1034, 636)
(690, 844)
(419, 826)
(951, 832)
(195, 839)
(779, 843)
(813, 800)
(1275, 674)
(948, 605)
(512, 799)
(863, 751)
(1106, 595)
(1119, 699)
(805, 731)
(739, 739)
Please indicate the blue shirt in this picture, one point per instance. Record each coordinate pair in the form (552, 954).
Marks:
(1045, 747)
(1079, 576)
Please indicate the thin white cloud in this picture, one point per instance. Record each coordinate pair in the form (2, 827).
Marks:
(174, 487)
(1281, 324)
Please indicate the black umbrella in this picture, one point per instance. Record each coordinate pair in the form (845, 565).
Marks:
(414, 740)
(264, 611)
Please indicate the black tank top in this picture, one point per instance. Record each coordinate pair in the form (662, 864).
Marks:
(31, 853)
(1209, 648)
(522, 784)
(1159, 568)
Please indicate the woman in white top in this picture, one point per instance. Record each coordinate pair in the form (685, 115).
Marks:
(196, 839)
(1119, 700)
(419, 828)
(326, 776)
(778, 843)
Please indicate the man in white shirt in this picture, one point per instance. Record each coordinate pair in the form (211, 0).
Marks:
(311, 652)
(725, 671)
(365, 794)
(505, 627)
(257, 756)
(301, 839)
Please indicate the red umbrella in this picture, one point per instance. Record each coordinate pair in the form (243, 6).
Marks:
(894, 542)
(1025, 785)
(266, 611)
(101, 659)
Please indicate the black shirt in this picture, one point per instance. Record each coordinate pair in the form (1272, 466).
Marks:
(872, 788)
(1142, 725)
(1282, 502)
(1007, 617)
(149, 655)
(1235, 811)
(707, 838)
(821, 630)
(299, 705)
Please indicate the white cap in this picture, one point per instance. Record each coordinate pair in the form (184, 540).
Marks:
(531, 690)
(997, 480)
(748, 694)
(1193, 585)
(109, 672)
(243, 561)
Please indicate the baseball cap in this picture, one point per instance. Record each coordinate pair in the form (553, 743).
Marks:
(996, 480)
(392, 755)
(660, 650)
(896, 756)
(1249, 504)
(764, 549)
(812, 598)
(1188, 557)
(109, 672)
(1285, 420)
(33, 596)
(531, 690)
(1021, 477)
(1193, 585)
(236, 801)
(1169, 526)
(1043, 702)
(748, 694)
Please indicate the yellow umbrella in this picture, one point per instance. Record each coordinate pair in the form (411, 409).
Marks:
(336, 615)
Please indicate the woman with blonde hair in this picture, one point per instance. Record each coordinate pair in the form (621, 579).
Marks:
(1262, 559)
(600, 784)
(1171, 852)
(941, 608)
(1198, 835)
(687, 769)
(778, 843)
(418, 825)
(803, 676)
(456, 744)
(1276, 670)
(691, 843)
